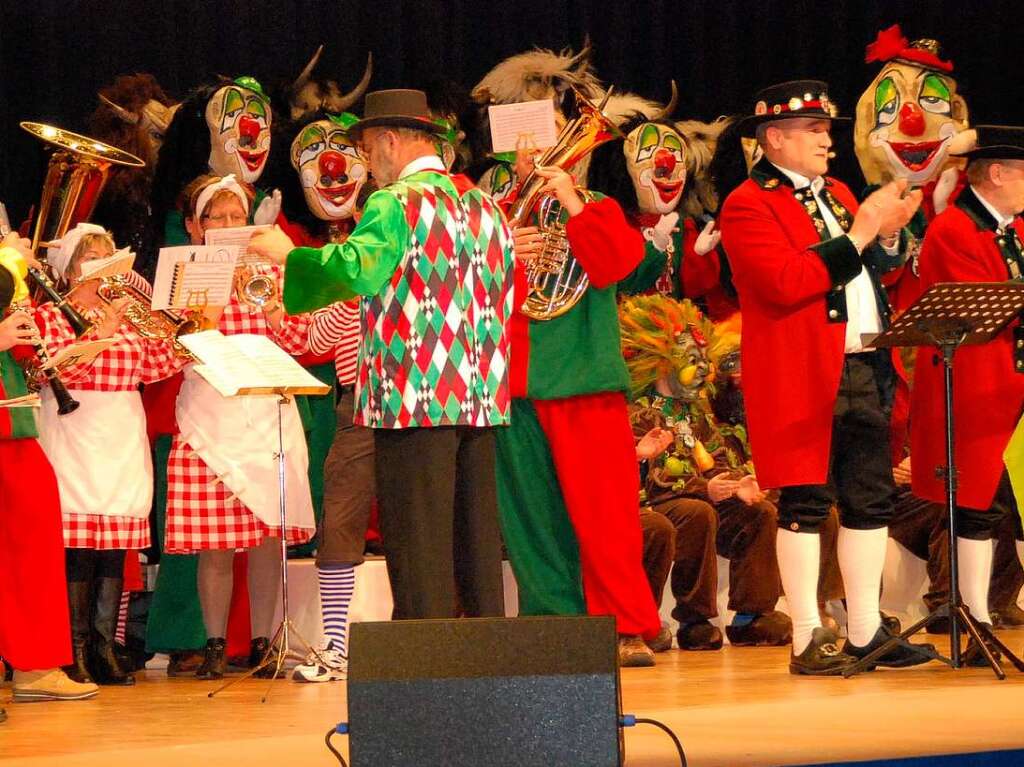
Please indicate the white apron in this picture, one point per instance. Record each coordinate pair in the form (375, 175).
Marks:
(237, 438)
(100, 453)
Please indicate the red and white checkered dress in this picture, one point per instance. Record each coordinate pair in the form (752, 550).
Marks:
(131, 361)
(201, 512)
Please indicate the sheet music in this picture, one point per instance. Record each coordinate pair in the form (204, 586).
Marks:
(529, 122)
(237, 237)
(121, 262)
(248, 364)
(80, 352)
(188, 276)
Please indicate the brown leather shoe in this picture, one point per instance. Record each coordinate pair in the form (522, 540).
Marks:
(701, 635)
(50, 684)
(772, 629)
(634, 653)
(213, 664)
(185, 662)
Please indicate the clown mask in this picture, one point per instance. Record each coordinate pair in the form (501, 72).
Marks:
(692, 369)
(239, 117)
(330, 169)
(908, 115)
(654, 159)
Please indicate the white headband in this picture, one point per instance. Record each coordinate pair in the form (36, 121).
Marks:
(226, 184)
(58, 254)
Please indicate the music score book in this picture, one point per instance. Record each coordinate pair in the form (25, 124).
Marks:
(247, 364)
(189, 276)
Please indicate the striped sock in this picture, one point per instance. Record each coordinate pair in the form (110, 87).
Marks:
(122, 618)
(337, 583)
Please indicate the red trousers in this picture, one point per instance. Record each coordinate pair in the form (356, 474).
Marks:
(594, 454)
(35, 632)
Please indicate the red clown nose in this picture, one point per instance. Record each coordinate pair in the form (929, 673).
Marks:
(911, 120)
(249, 130)
(664, 163)
(332, 166)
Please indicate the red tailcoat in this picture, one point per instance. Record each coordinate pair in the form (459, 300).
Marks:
(793, 346)
(960, 246)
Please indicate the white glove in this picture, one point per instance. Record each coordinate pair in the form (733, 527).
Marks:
(708, 239)
(661, 233)
(944, 188)
(269, 209)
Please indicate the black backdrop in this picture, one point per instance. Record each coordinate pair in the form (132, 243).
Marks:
(54, 54)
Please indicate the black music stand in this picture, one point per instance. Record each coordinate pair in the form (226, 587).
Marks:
(950, 315)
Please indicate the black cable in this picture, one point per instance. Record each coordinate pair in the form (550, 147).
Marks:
(666, 728)
(333, 750)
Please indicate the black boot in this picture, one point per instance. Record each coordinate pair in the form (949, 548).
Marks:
(106, 668)
(80, 606)
(214, 663)
(259, 649)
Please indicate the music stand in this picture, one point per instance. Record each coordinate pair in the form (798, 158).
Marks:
(280, 644)
(950, 315)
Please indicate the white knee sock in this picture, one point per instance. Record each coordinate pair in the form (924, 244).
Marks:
(798, 555)
(861, 559)
(975, 573)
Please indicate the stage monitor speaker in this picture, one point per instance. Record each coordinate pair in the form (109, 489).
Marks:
(485, 692)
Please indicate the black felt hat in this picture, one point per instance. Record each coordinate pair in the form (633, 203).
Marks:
(796, 98)
(396, 108)
(990, 142)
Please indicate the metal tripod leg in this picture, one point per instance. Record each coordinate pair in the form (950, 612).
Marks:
(867, 663)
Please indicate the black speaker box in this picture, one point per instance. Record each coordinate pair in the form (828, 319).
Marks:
(485, 692)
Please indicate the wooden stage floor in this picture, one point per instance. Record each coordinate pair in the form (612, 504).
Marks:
(738, 706)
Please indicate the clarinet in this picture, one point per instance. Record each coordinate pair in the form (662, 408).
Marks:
(65, 402)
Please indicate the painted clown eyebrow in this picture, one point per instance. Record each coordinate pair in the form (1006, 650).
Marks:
(935, 86)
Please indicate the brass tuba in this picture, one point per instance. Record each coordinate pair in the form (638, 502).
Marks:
(555, 281)
(75, 177)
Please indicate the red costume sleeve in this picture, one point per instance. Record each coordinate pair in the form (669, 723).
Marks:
(604, 243)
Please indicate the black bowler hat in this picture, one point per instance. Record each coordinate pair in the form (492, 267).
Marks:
(989, 142)
(796, 98)
(396, 108)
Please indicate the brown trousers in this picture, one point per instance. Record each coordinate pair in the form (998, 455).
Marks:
(683, 536)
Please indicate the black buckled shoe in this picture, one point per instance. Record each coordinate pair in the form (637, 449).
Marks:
(772, 629)
(214, 663)
(821, 657)
(901, 656)
(974, 657)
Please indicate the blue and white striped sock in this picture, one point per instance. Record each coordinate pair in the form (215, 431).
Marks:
(337, 583)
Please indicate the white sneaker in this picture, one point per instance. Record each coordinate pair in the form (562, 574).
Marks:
(334, 666)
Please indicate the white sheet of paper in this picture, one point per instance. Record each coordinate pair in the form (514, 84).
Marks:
(247, 364)
(529, 123)
(194, 275)
(121, 262)
(80, 352)
(236, 236)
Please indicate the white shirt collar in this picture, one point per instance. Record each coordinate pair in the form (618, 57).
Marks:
(426, 162)
(802, 182)
(1001, 220)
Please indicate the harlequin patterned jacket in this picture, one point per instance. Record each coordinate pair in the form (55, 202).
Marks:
(434, 268)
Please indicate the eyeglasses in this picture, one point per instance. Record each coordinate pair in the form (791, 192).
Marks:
(226, 218)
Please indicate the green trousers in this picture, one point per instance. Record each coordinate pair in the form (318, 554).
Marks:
(539, 537)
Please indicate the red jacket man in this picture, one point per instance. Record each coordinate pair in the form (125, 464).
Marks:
(978, 239)
(808, 274)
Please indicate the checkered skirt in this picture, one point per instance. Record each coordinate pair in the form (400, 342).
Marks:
(97, 531)
(201, 514)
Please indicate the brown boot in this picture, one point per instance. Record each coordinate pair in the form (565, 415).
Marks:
(214, 664)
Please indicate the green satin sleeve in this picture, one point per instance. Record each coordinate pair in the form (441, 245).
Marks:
(360, 266)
